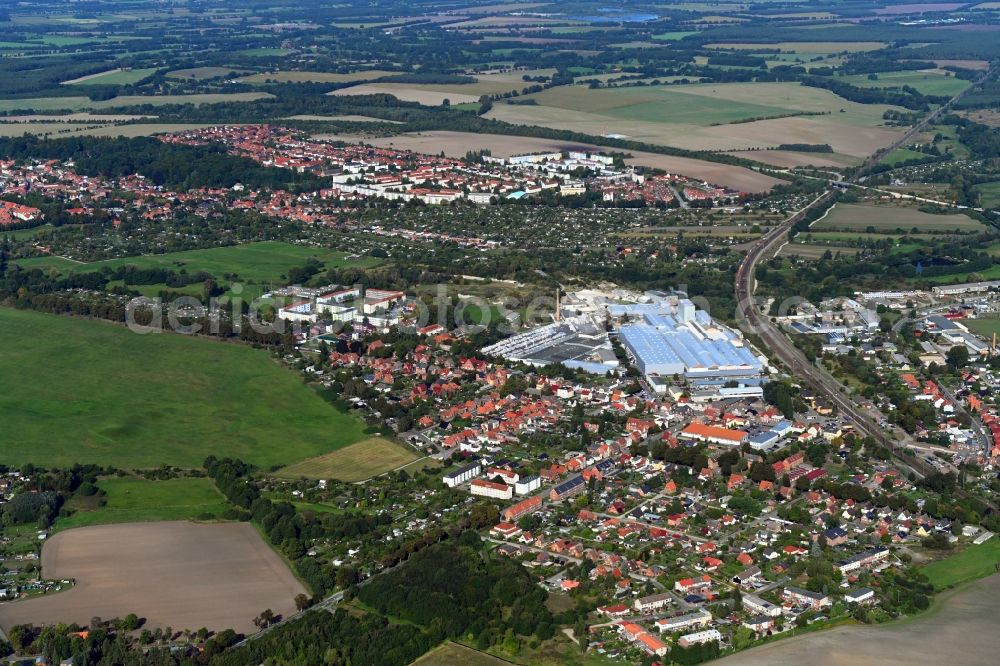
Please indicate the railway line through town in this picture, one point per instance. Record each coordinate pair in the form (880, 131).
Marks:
(752, 320)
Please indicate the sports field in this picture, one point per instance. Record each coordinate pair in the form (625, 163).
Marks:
(356, 462)
(887, 218)
(137, 500)
(102, 394)
(176, 574)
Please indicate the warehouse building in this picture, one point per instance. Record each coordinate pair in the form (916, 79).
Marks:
(679, 339)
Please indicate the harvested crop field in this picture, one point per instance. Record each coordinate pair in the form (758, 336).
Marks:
(407, 92)
(711, 116)
(858, 217)
(788, 159)
(964, 64)
(962, 625)
(801, 47)
(357, 462)
(175, 574)
(434, 93)
(202, 73)
(80, 103)
(456, 144)
(316, 77)
(349, 118)
(919, 8)
(63, 130)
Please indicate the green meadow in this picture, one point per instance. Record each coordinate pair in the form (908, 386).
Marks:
(136, 500)
(100, 393)
(250, 263)
(969, 564)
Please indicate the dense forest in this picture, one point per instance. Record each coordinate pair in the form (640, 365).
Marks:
(452, 590)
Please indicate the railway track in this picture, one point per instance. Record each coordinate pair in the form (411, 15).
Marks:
(753, 321)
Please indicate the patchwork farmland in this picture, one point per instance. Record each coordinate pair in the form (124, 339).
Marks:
(754, 116)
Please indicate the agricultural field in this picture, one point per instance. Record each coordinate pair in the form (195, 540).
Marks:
(961, 624)
(433, 94)
(787, 159)
(201, 73)
(674, 36)
(201, 575)
(711, 116)
(989, 194)
(859, 217)
(811, 48)
(351, 118)
(456, 144)
(141, 401)
(263, 52)
(971, 563)
(59, 130)
(902, 155)
(984, 326)
(114, 77)
(928, 82)
(453, 654)
(80, 103)
(137, 500)
(315, 77)
(357, 462)
(409, 92)
(987, 117)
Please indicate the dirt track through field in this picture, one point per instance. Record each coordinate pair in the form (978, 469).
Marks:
(178, 574)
